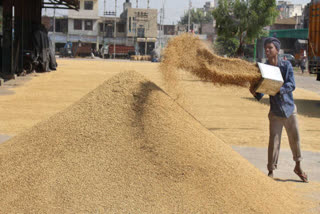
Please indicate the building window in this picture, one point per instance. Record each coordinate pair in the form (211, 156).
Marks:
(129, 24)
(88, 25)
(62, 25)
(140, 32)
(109, 30)
(77, 24)
(88, 5)
(142, 15)
(134, 27)
(101, 27)
(121, 28)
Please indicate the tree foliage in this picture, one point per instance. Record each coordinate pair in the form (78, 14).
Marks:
(244, 19)
(197, 17)
(226, 46)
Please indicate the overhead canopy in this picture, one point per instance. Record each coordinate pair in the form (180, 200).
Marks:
(290, 33)
(61, 4)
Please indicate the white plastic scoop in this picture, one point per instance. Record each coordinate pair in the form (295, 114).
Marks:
(271, 81)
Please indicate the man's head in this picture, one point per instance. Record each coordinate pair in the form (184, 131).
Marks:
(272, 47)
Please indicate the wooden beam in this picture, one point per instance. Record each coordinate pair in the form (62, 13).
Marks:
(27, 15)
(18, 44)
(7, 64)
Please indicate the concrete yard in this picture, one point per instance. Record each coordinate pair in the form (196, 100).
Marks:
(4, 138)
(230, 113)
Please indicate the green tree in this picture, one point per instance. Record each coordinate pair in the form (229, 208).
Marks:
(244, 19)
(226, 46)
(197, 16)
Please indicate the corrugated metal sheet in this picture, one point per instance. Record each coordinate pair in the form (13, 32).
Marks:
(72, 2)
(62, 4)
(314, 29)
(314, 37)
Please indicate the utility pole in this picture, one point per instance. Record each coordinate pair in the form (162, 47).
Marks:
(146, 44)
(137, 4)
(160, 30)
(103, 28)
(189, 15)
(115, 30)
(104, 23)
(162, 23)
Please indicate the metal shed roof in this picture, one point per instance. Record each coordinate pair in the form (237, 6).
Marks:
(290, 33)
(61, 4)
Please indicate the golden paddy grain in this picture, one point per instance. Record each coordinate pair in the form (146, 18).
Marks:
(187, 52)
(127, 147)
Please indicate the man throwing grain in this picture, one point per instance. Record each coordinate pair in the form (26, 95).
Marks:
(283, 111)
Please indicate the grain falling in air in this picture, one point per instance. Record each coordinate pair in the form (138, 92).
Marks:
(188, 53)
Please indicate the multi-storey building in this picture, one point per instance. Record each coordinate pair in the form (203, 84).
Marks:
(210, 5)
(135, 27)
(287, 9)
(141, 27)
(83, 25)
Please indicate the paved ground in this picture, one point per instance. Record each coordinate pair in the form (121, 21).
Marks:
(284, 173)
(307, 82)
(6, 88)
(258, 157)
(4, 138)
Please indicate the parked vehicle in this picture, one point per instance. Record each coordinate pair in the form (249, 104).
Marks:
(289, 57)
(30, 61)
(33, 63)
(66, 51)
(104, 51)
(81, 49)
(122, 51)
(314, 38)
(74, 49)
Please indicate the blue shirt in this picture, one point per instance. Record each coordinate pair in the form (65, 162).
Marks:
(282, 103)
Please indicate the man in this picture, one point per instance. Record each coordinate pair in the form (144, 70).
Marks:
(283, 111)
(284, 58)
(303, 64)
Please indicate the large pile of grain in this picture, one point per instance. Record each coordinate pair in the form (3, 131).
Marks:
(127, 147)
(187, 52)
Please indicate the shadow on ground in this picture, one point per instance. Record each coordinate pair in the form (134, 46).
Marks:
(217, 129)
(287, 180)
(309, 108)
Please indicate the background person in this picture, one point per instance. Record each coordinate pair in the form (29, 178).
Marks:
(284, 58)
(303, 64)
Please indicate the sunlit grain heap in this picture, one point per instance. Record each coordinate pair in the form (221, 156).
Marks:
(127, 147)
